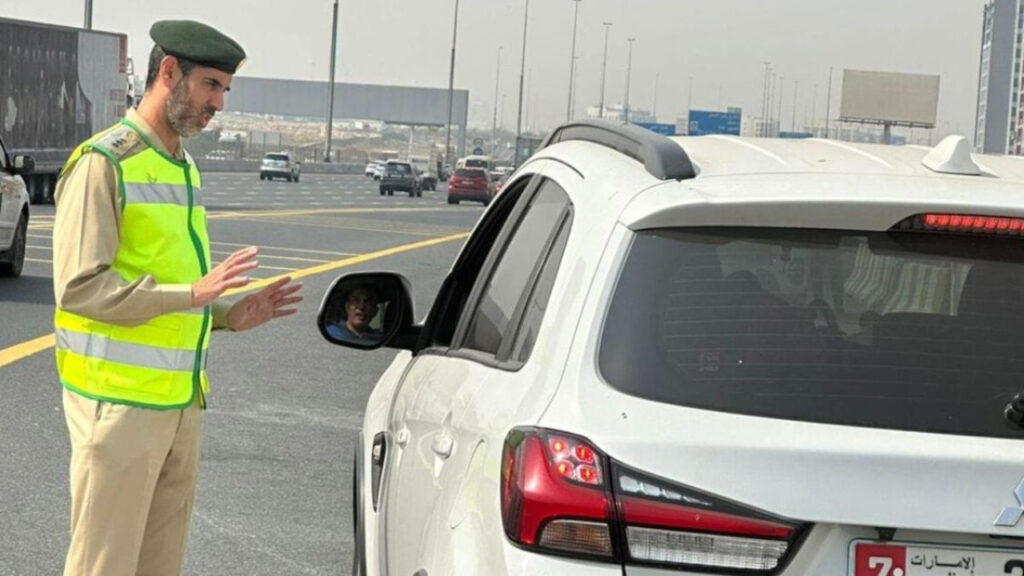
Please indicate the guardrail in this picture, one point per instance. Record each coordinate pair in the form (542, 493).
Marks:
(253, 166)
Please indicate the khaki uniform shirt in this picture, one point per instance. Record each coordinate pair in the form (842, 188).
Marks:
(86, 234)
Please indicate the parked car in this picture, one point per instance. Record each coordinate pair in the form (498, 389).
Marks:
(469, 184)
(371, 169)
(401, 177)
(709, 355)
(279, 165)
(14, 211)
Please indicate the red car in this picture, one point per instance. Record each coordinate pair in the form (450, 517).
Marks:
(470, 184)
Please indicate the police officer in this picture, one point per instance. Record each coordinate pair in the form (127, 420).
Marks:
(137, 297)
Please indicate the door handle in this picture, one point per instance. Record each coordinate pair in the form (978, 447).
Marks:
(442, 445)
(402, 438)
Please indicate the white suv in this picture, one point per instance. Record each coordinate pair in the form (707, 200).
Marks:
(14, 204)
(709, 355)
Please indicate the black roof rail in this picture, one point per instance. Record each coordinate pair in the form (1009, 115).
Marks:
(661, 157)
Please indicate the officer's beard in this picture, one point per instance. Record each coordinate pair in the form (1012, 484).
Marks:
(183, 116)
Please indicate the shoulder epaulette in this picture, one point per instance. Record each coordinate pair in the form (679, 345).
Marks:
(120, 141)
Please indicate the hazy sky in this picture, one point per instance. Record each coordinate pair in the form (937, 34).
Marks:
(721, 44)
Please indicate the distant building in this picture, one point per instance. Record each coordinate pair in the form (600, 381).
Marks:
(1000, 114)
(617, 113)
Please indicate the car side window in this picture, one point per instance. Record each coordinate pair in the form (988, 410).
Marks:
(537, 304)
(517, 269)
(447, 309)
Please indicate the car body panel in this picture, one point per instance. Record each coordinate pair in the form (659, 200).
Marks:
(441, 515)
(14, 203)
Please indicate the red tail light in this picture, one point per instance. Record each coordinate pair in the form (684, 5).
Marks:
(551, 498)
(964, 224)
(560, 495)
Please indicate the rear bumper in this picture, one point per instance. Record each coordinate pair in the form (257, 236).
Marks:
(275, 172)
(397, 185)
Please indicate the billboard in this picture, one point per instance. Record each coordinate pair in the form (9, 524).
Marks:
(703, 122)
(889, 97)
(303, 98)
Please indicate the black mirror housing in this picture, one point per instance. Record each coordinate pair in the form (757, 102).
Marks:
(367, 311)
(22, 164)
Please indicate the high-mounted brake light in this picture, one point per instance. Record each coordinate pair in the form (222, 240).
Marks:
(561, 495)
(963, 224)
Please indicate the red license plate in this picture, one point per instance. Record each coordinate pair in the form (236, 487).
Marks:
(910, 559)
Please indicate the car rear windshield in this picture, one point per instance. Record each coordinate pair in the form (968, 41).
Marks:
(902, 330)
(279, 157)
(398, 169)
(470, 173)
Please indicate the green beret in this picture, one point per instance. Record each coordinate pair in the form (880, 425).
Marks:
(199, 43)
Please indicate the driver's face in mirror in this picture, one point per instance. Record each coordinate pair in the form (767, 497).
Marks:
(360, 309)
(355, 319)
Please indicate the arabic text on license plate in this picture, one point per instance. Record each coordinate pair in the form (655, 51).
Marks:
(872, 559)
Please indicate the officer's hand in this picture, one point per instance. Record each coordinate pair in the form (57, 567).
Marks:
(274, 301)
(227, 275)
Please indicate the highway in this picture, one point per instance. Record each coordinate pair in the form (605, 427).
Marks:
(274, 495)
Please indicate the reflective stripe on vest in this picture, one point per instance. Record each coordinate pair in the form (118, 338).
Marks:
(161, 362)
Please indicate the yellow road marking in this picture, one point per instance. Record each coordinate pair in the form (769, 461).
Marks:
(26, 349)
(272, 257)
(283, 249)
(351, 261)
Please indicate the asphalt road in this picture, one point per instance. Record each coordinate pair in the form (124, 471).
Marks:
(274, 494)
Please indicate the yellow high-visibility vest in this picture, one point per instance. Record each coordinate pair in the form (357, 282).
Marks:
(160, 364)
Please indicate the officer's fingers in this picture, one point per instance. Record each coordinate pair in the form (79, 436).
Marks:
(275, 285)
(286, 291)
(242, 255)
(239, 268)
(236, 282)
(288, 301)
(284, 312)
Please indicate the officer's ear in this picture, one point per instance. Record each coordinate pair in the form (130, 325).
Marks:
(169, 72)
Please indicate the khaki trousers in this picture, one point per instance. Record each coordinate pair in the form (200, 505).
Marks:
(133, 475)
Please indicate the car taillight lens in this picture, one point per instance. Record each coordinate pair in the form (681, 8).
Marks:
(560, 494)
(551, 498)
(963, 224)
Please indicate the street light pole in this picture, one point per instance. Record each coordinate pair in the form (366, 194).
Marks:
(689, 103)
(764, 100)
(330, 88)
(451, 87)
(494, 122)
(629, 78)
(575, 85)
(604, 69)
(654, 108)
(572, 62)
(828, 103)
(796, 94)
(88, 15)
(522, 80)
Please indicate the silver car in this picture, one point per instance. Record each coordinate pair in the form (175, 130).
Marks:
(279, 165)
(13, 212)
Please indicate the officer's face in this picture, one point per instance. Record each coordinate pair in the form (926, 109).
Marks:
(196, 98)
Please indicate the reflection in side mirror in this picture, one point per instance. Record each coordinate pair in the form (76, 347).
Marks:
(366, 311)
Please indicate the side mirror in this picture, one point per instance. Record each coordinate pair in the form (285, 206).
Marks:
(366, 311)
(23, 164)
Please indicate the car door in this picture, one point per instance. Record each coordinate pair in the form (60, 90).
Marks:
(437, 415)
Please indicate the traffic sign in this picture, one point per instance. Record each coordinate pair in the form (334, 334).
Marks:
(478, 151)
